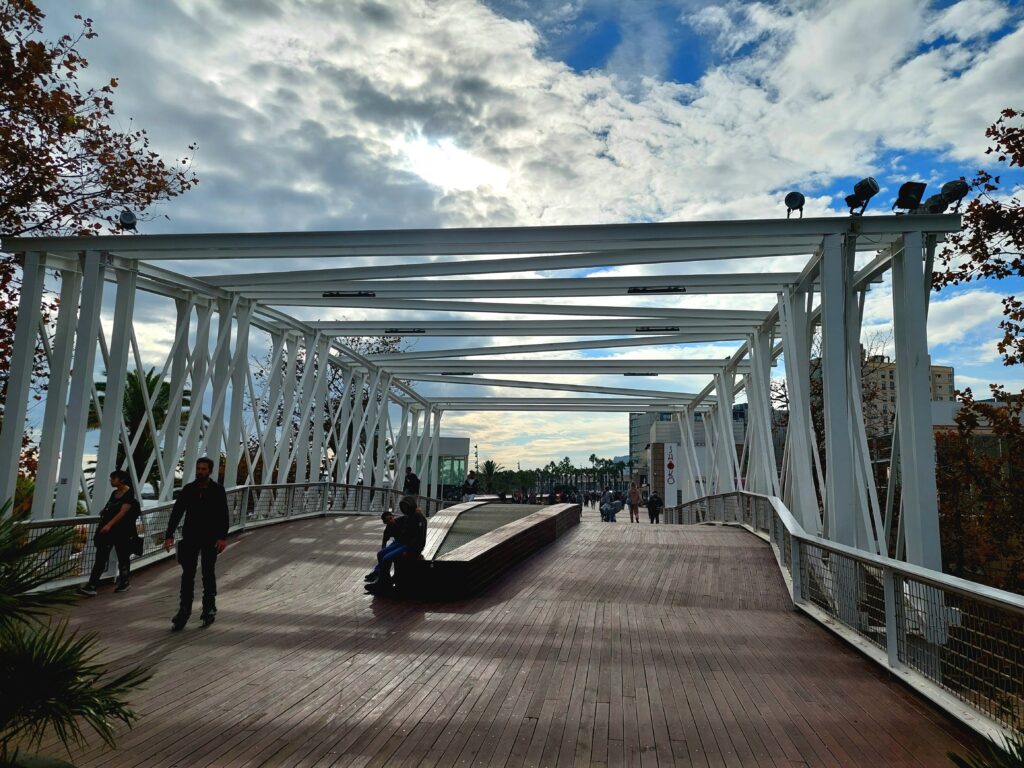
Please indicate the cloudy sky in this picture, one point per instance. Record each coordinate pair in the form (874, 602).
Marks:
(323, 115)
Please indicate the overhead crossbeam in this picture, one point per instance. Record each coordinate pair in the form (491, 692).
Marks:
(560, 367)
(680, 397)
(644, 326)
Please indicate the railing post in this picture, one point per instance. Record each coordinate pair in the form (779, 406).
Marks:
(795, 571)
(244, 513)
(891, 624)
(324, 490)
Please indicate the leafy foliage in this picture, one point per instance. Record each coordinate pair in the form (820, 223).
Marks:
(61, 685)
(1008, 753)
(992, 242)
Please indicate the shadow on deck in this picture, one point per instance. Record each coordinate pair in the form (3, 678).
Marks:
(617, 645)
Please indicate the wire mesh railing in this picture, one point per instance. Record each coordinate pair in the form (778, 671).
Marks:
(965, 639)
(248, 507)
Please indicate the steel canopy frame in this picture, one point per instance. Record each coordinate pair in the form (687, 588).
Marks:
(293, 425)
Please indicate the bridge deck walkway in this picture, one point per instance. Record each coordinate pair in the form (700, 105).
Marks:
(617, 645)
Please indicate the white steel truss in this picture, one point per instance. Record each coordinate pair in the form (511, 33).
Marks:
(315, 409)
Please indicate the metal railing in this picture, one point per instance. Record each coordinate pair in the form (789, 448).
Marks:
(249, 506)
(957, 642)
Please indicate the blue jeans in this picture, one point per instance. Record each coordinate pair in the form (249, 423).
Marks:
(386, 555)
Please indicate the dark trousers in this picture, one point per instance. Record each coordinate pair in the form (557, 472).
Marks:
(188, 557)
(654, 516)
(104, 543)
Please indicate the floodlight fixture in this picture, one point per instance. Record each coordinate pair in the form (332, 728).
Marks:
(456, 373)
(863, 191)
(657, 289)
(639, 373)
(403, 331)
(934, 204)
(127, 220)
(909, 196)
(349, 294)
(954, 192)
(657, 329)
(794, 202)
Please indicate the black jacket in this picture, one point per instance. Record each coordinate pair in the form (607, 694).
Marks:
(205, 511)
(411, 487)
(411, 530)
(125, 527)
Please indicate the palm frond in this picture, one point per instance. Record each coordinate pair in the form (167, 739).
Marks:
(993, 753)
(62, 688)
(27, 562)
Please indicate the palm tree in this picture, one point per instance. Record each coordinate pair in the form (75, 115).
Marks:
(138, 388)
(60, 687)
(489, 473)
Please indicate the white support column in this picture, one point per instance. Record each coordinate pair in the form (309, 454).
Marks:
(727, 462)
(435, 444)
(348, 451)
(270, 432)
(919, 518)
(321, 412)
(236, 439)
(69, 477)
(284, 443)
(220, 380)
(400, 446)
(117, 371)
(300, 451)
(171, 430)
(383, 420)
(197, 390)
(357, 456)
(20, 379)
(836, 388)
(796, 345)
(56, 395)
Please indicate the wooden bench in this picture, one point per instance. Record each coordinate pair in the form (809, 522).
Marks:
(471, 567)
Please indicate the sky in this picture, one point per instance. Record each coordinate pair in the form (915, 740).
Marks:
(319, 115)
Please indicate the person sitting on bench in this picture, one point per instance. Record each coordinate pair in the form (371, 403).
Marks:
(390, 528)
(410, 536)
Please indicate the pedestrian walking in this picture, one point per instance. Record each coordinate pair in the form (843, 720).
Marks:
(116, 531)
(634, 503)
(204, 505)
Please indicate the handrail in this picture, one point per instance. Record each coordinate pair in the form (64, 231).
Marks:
(958, 643)
(249, 506)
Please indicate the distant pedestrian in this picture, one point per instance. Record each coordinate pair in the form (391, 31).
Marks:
(654, 507)
(411, 486)
(634, 503)
(116, 530)
(471, 487)
(204, 504)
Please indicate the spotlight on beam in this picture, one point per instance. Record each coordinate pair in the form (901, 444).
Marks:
(934, 204)
(456, 373)
(909, 196)
(863, 191)
(127, 220)
(954, 192)
(349, 294)
(657, 329)
(794, 202)
(403, 331)
(658, 289)
(636, 373)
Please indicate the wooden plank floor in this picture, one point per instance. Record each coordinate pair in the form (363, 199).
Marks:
(617, 645)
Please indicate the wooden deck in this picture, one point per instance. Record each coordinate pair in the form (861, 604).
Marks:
(617, 645)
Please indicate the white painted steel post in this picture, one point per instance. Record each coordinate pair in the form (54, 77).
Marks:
(434, 448)
(236, 440)
(913, 403)
(80, 389)
(836, 389)
(213, 438)
(171, 429)
(56, 395)
(197, 390)
(113, 396)
(284, 443)
(20, 377)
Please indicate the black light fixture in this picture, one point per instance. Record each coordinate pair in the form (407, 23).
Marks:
(349, 294)
(456, 373)
(909, 196)
(658, 329)
(403, 331)
(658, 289)
(794, 202)
(637, 373)
(954, 192)
(126, 220)
(934, 204)
(863, 191)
